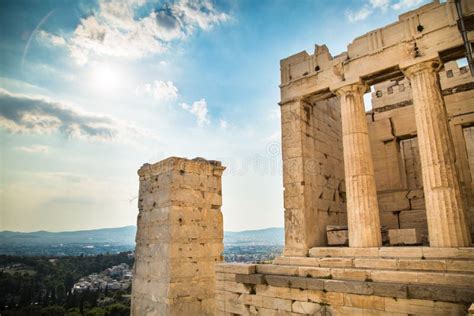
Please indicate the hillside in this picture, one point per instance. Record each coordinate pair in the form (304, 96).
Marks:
(90, 242)
(267, 236)
(120, 235)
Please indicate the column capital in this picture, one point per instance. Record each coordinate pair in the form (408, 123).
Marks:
(350, 87)
(432, 64)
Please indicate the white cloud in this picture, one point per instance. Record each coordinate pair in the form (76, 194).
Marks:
(358, 15)
(159, 90)
(198, 109)
(371, 6)
(382, 4)
(21, 113)
(406, 4)
(223, 124)
(51, 38)
(196, 13)
(114, 30)
(33, 149)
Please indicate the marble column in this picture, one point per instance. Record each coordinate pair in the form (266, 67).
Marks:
(362, 206)
(448, 224)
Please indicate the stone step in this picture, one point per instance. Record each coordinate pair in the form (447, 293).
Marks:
(286, 286)
(394, 252)
(370, 275)
(241, 280)
(403, 264)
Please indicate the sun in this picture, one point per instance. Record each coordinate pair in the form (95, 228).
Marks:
(105, 77)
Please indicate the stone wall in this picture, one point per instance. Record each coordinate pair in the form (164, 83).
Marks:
(313, 172)
(394, 144)
(306, 289)
(469, 138)
(327, 135)
(179, 237)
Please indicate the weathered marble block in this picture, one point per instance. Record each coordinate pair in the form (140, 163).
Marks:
(337, 235)
(407, 236)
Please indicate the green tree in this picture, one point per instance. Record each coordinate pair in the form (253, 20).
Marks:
(72, 300)
(54, 310)
(60, 293)
(73, 312)
(96, 311)
(25, 311)
(51, 283)
(117, 310)
(68, 281)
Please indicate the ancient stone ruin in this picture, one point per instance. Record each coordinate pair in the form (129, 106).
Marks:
(179, 237)
(377, 204)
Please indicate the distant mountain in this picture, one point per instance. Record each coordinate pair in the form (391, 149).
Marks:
(116, 236)
(126, 236)
(267, 236)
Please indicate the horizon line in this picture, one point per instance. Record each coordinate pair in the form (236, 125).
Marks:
(116, 227)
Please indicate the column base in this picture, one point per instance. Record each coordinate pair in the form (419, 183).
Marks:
(416, 252)
(295, 252)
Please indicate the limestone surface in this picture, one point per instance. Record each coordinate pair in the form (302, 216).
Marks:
(415, 168)
(179, 237)
(407, 236)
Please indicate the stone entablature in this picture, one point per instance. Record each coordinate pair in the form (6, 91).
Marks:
(303, 74)
(391, 94)
(454, 76)
(397, 93)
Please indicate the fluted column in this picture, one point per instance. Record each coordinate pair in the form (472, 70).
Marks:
(447, 219)
(362, 207)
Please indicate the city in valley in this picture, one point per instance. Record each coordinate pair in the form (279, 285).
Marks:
(61, 268)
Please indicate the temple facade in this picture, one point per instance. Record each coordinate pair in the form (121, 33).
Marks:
(378, 197)
(343, 166)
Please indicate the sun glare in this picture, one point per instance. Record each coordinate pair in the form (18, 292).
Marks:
(105, 78)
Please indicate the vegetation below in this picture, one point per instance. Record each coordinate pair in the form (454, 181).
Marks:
(43, 286)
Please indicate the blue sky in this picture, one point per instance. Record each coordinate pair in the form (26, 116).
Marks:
(91, 90)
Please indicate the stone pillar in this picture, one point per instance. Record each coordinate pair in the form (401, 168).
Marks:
(447, 219)
(179, 237)
(302, 231)
(362, 206)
